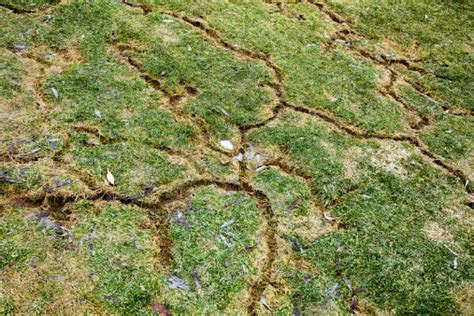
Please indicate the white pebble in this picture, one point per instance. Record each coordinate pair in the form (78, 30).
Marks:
(239, 157)
(227, 144)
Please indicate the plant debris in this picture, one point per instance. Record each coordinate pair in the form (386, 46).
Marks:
(54, 92)
(264, 302)
(110, 178)
(292, 206)
(57, 185)
(161, 309)
(177, 283)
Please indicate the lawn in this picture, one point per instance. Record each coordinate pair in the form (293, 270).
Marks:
(236, 157)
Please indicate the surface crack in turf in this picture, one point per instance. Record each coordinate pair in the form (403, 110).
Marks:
(174, 102)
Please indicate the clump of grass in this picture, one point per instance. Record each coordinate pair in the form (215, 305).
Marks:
(27, 5)
(306, 145)
(120, 259)
(134, 166)
(211, 252)
(284, 191)
(338, 82)
(384, 217)
(383, 254)
(224, 82)
(107, 264)
(444, 54)
(452, 137)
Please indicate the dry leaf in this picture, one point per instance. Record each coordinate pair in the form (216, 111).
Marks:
(225, 241)
(228, 223)
(110, 178)
(54, 92)
(160, 309)
(197, 280)
(327, 216)
(261, 168)
(223, 111)
(297, 244)
(293, 205)
(264, 302)
(20, 47)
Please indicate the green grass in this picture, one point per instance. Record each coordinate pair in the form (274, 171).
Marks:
(446, 55)
(325, 221)
(217, 256)
(384, 251)
(182, 57)
(307, 147)
(316, 80)
(133, 166)
(382, 248)
(110, 271)
(28, 5)
(117, 103)
(442, 141)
